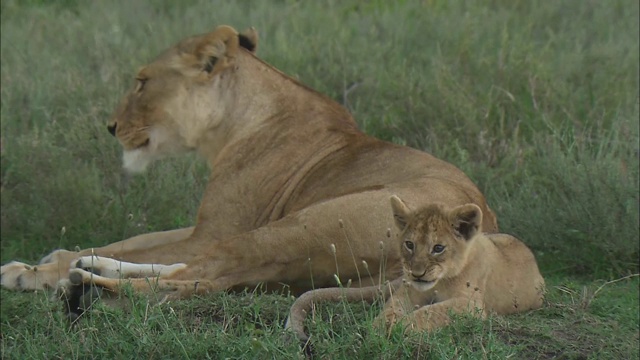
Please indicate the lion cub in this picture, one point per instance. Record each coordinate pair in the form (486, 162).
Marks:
(449, 266)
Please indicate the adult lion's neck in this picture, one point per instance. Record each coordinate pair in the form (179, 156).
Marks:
(258, 98)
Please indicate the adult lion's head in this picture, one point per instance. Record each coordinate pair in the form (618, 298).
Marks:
(178, 97)
(434, 241)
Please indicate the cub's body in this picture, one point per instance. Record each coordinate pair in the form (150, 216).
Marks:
(500, 277)
(449, 266)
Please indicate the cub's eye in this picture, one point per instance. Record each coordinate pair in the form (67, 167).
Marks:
(141, 83)
(437, 249)
(409, 245)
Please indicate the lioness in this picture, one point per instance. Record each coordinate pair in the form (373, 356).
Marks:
(449, 265)
(295, 193)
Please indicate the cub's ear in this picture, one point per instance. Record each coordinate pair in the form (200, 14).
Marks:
(466, 220)
(216, 51)
(400, 212)
(249, 39)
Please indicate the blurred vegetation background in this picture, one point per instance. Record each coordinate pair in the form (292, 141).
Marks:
(537, 101)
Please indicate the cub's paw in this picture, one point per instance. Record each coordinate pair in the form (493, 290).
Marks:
(22, 277)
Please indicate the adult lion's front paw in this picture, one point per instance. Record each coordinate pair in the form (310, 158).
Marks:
(22, 277)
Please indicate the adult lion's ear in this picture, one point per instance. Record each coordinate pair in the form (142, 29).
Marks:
(218, 49)
(249, 39)
(400, 212)
(466, 220)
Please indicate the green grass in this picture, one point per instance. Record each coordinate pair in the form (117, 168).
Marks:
(537, 101)
(573, 324)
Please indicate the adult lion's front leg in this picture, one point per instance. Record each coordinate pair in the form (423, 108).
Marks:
(308, 249)
(55, 266)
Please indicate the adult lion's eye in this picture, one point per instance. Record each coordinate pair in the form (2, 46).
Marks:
(144, 143)
(409, 245)
(437, 249)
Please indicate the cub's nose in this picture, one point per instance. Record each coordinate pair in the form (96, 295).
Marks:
(112, 129)
(417, 275)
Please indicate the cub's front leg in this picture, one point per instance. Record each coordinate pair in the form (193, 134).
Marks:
(396, 308)
(431, 317)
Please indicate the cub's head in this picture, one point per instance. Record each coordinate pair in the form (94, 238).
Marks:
(178, 96)
(434, 240)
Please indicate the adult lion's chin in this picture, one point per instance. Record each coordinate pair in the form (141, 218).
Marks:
(136, 161)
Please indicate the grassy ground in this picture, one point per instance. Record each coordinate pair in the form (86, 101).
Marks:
(536, 100)
(572, 325)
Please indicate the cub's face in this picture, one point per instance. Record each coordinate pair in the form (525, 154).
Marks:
(176, 98)
(428, 249)
(433, 240)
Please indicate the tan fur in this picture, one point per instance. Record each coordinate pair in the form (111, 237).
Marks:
(449, 265)
(292, 178)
